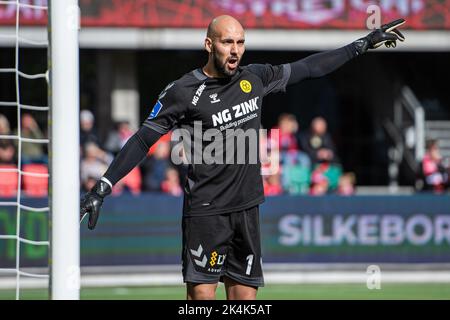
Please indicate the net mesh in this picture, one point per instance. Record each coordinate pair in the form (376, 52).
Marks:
(17, 199)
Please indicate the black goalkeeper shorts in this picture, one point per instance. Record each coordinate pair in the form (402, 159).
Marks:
(224, 245)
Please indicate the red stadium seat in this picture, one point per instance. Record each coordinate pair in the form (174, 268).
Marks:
(8, 181)
(132, 181)
(35, 186)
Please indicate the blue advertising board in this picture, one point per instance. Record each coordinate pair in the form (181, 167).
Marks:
(146, 229)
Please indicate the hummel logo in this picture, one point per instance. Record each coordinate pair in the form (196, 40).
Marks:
(214, 98)
(198, 253)
(201, 263)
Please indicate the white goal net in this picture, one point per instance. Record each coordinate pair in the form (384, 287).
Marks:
(24, 180)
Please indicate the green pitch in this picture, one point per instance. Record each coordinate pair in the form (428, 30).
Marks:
(270, 292)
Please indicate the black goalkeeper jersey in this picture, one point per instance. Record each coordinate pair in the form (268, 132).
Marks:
(198, 103)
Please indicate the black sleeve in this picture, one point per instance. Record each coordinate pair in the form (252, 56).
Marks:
(320, 64)
(274, 78)
(132, 153)
(169, 110)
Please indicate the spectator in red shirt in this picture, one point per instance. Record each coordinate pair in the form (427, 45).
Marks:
(272, 185)
(434, 173)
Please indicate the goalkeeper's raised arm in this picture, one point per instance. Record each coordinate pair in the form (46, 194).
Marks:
(320, 64)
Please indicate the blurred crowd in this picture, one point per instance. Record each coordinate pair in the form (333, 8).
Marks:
(294, 161)
(33, 154)
(308, 162)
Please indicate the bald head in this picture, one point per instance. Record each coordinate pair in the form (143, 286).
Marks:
(225, 46)
(221, 24)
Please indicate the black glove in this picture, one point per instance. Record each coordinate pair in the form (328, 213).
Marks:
(387, 34)
(92, 202)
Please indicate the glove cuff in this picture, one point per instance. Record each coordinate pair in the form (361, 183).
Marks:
(361, 45)
(102, 189)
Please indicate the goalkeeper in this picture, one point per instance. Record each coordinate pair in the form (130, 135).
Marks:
(220, 226)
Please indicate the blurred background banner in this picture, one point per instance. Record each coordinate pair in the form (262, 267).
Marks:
(146, 230)
(262, 14)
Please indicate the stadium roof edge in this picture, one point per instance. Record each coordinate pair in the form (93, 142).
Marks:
(256, 39)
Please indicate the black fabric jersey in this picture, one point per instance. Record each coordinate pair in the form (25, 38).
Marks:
(218, 103)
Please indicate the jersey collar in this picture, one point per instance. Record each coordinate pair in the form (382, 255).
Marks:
(198, 73)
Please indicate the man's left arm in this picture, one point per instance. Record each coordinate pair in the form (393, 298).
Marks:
(321, 64)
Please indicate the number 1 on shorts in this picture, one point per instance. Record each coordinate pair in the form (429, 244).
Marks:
(249, 264)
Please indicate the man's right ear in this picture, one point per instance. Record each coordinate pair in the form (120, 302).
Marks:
(208, 45)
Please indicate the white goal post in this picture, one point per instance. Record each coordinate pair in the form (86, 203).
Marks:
(64, 231)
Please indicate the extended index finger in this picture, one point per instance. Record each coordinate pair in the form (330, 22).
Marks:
(388, 27)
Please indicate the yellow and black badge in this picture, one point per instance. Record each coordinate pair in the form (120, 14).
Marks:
(246, 86)
(213, 260)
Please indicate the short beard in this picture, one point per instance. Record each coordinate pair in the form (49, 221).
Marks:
(221, 69)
